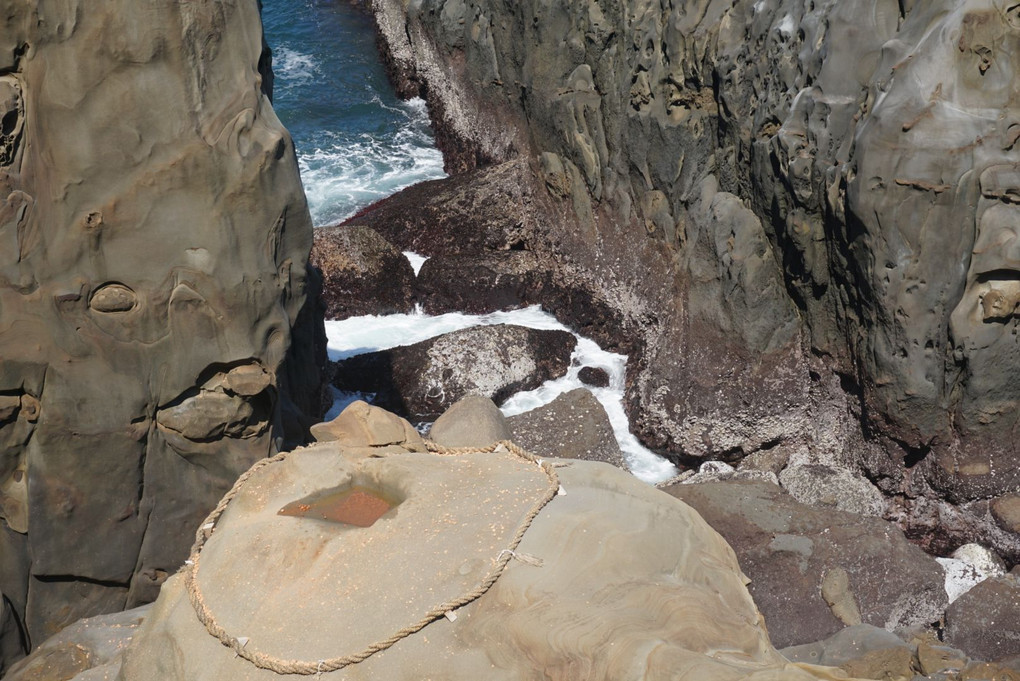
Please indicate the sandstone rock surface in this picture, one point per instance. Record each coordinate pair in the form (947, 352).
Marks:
(472, 421)
(153, 249)
(423, 380)
(667, 601)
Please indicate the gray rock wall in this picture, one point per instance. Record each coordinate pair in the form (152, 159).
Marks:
(826, 182)
(153, 248)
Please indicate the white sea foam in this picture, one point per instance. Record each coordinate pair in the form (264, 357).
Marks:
(342, 175)
(293, 67)
(357, 335)
(416, 260)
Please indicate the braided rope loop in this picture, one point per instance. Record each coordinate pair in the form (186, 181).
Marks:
(308, 668)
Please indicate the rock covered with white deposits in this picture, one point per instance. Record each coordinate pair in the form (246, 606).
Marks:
(612, 579)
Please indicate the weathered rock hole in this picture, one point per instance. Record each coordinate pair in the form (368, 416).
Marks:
(355, 505)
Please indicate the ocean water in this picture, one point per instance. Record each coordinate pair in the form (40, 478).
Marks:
(356, 141)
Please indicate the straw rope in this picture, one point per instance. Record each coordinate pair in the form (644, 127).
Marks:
(307, 668)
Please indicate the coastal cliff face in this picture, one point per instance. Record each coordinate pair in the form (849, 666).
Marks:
(153, 250)
(804, 212)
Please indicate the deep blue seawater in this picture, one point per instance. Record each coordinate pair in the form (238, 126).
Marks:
(356, 142)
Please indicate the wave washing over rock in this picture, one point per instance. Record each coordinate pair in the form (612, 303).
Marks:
(356, 142)
(356, 335)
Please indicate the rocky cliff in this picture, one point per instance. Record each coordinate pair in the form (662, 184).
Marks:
(804, 212)
(153, 248)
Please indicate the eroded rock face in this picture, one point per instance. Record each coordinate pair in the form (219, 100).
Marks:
(153, 248)
(762, 183)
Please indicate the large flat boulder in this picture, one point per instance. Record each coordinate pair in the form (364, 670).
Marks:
(815, 570)
(423, 380)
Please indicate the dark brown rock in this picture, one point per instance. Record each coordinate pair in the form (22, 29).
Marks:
(423, 380)
(362, 273)
(985, 621)
(789, 549)
(596, 377)
(573, 426)
(479, 283)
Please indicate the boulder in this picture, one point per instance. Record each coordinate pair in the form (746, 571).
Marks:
(88, 650)
(479, 283)
(472, 421)
(985, 621)
(154, 240)
(303, 594)
(823, 485)
(815, 570)
(845, 645)
(361, 426)
(423, 380)
(362, 273)
(573, 426)
(595, 377)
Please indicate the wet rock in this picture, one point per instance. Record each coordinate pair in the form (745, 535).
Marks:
(153, 233)
(985, 621)
(362, 273)
(491, 210)
(472, 421)
(423, 380)
(595, 377)
(789, 550)
(573, 426)
(481, 283)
